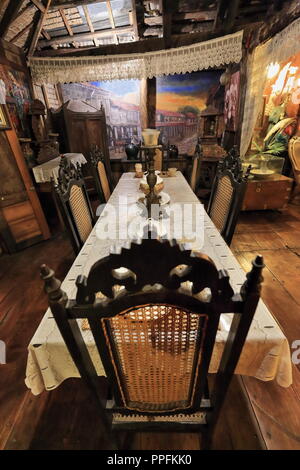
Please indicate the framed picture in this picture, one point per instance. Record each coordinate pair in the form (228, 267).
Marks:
(4, 119)
(231, 104)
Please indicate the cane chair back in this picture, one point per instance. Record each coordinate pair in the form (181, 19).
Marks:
(73, 203)
(80, 211)
(155, 334)
(227, 194)
(100, 173)
(294, 154)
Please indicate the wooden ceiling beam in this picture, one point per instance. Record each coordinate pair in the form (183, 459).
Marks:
(166, 12)
(23, 31)
(56, 4)
(89, 22)
(111, 19)
(226, 15)
(145, 45)
(67, 26)
(38, 30)
(65, 21)
(134, 18)
(79, 37)
(10, 14)
(45, 34)
(194, 16)
(39, 5)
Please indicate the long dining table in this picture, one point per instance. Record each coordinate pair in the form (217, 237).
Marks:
(266, 353)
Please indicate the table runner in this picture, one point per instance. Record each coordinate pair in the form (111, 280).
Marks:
(266, 353)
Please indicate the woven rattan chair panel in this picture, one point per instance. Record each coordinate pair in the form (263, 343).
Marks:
(103, 180)
(221, 203)
(80, 211)
(154, 350)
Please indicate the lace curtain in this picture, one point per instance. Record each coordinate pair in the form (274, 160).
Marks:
(214, 53)
(278, 49)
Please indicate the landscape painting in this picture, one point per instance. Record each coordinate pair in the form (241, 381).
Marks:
(180, 99)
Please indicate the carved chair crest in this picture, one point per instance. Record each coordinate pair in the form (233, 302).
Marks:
(179, 265)
(68, 173)
(96, 155)
(233, 164)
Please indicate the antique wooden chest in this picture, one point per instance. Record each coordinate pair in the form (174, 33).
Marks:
(268, 194)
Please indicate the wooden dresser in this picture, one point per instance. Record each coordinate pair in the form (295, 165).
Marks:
(268, 194)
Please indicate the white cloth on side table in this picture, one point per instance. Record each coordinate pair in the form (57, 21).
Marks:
(44, 172)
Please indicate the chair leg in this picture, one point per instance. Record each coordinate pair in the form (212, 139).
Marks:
(128, 440)
(206, 441)
(123, 440)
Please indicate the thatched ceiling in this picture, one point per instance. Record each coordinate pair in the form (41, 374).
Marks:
(56, 27)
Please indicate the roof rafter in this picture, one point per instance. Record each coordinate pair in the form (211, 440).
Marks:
(39, 5)
(89, 22)
(38, 29)
(84, 36)
(9, 15)
(67, 25)
(23, 31)
(111, 19)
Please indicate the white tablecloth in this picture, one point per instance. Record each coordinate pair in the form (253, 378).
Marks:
(266, 353)
(44, 172)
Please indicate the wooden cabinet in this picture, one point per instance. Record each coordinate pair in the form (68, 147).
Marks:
(268, 194)
(81, 125)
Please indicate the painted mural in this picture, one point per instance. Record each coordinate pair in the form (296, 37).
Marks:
(17, 98)
(180, 99)
(121, 101)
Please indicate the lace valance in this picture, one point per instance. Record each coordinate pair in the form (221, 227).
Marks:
(214, 53)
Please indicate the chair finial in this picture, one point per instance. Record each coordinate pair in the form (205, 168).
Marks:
(254, 277)
(52, 284)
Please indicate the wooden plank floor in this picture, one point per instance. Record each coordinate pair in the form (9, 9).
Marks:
(65, 418)
(277, 237)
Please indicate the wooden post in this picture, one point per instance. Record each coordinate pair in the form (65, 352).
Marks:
(148, 102)
(242, 97)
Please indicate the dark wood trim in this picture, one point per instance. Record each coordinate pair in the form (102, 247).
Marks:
(6, 235)
(148, 102)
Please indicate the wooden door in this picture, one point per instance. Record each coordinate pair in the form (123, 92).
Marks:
(22, 221)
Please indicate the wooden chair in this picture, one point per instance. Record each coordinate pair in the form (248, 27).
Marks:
(294, 154)
(196, 165)
(73, 203)
(227, 194)
(100, 173)
(155, 335)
